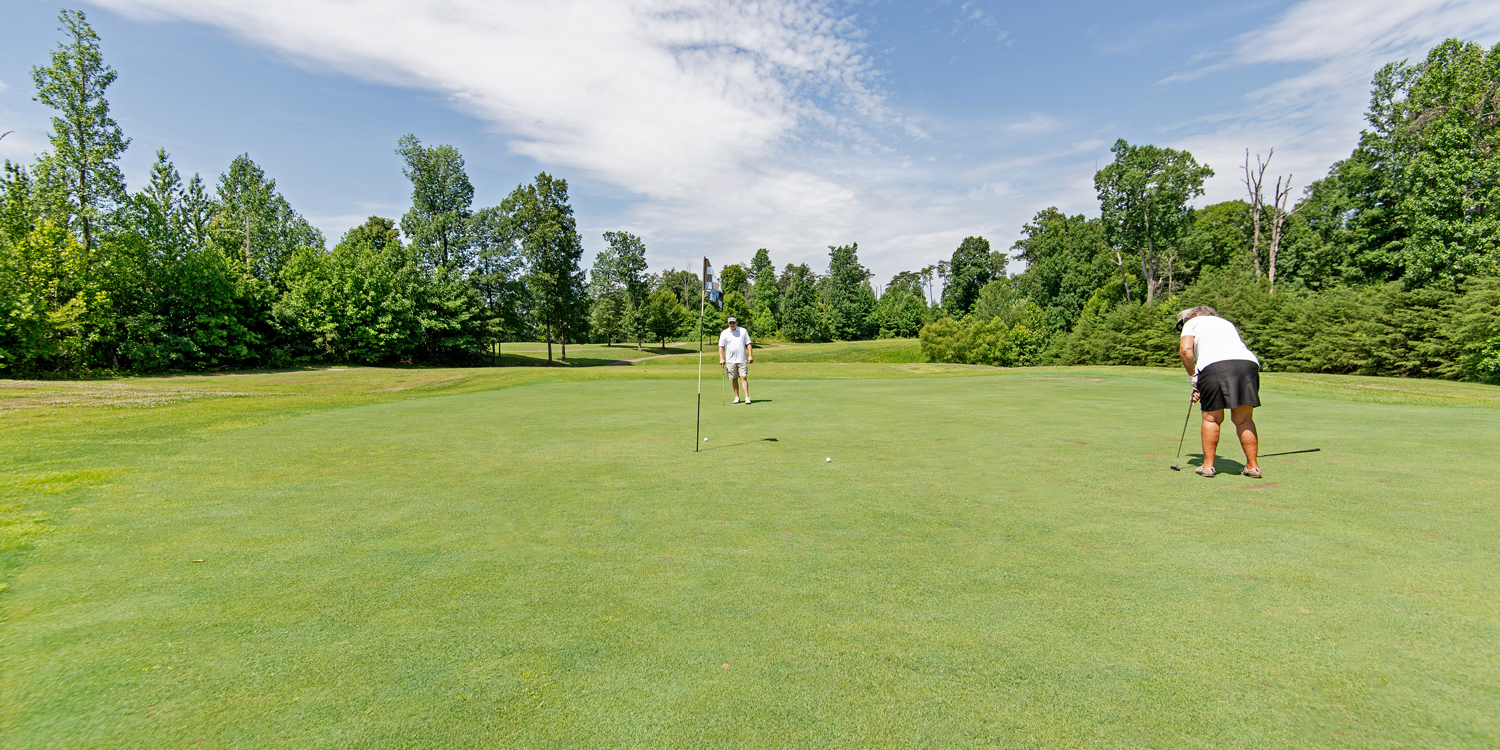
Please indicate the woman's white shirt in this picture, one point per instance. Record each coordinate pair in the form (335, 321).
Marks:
(1216, 340)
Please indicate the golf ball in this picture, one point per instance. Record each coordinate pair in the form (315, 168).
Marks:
(705, 440)
(829, 460)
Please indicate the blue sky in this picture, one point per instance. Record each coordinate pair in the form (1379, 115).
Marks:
(713, 127)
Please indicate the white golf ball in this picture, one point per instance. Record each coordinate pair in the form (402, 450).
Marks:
(705, 440)
(829, 460)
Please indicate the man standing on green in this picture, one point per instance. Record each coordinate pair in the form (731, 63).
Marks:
(735, 356)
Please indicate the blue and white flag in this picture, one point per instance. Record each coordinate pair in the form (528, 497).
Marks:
(711, 289)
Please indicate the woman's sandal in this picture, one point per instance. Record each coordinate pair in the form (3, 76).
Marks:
(1206, 472)
(1249, 472)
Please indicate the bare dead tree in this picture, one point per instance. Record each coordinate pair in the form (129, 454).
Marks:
(1279, 215)
(1253, 182)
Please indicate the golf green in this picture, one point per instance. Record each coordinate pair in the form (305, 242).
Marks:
(991, 559)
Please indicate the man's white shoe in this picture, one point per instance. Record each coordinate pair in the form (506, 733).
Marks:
(747, 400)
(736, 399)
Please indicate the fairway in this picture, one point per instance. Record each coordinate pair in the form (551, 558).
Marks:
(537, 558)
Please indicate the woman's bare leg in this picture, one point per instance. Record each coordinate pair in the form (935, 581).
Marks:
(1244, 424)
(1211, 421)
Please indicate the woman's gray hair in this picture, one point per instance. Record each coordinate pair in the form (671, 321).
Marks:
(1193, 312)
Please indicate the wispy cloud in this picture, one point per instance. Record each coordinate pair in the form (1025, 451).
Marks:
(1314, 117)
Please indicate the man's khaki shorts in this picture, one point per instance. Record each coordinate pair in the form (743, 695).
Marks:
(737, 370)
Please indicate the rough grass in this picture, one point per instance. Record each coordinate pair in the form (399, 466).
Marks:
(534, 557)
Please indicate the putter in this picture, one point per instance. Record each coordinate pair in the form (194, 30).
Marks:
(1178, 465)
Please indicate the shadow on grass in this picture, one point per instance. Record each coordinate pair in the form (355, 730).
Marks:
(1222, 464)
(736, 445)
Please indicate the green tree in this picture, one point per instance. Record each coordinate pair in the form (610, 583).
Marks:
(801, 319)
(738, 307)
(177, 299)
(495, 272)
(732, 278)
(765, 293)
(610, 309)
(82, 168)
(628, 266)
(851, 301)
(549, 237)
(1143, 199)
(1218, 237)
(1440, 123)
(1067, 260)
(357, 303)
(441, 199)
(254, 226)
(664, 315)
(901, 312)
(999, 299)
(971, 267)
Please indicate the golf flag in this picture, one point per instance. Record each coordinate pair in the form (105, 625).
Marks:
(711, 290)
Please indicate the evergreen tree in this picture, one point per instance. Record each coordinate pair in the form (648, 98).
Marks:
(851, 301)
(255, 227)
(765, 293)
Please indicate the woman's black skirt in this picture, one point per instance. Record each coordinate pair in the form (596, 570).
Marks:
(1229, 383)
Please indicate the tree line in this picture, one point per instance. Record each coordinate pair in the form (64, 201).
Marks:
(1387, 265)
(192, 274)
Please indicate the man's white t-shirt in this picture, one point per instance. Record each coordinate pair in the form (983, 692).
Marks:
(733, 341)
(1216, 340)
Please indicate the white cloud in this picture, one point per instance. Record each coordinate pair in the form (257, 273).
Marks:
(697, 107)
(1313, 118)
(737, 124)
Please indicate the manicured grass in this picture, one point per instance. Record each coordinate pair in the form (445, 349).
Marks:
(535, 557)
(534, 353)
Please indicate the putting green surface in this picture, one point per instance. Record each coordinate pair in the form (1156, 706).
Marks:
(435, 559)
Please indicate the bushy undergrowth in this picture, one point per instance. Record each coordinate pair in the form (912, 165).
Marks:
(1017, 338)
(1385, 330)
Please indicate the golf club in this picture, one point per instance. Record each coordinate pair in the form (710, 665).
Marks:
(1177, 466)
(1288, 453)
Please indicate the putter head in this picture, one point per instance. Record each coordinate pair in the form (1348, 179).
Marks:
(1174, 468)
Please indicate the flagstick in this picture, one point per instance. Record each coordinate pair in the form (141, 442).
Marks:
(702, 306)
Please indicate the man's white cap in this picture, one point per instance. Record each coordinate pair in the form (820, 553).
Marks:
(732, 320)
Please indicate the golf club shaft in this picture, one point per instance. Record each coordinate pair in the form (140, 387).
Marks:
(1288, 453)
(1185, 421)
